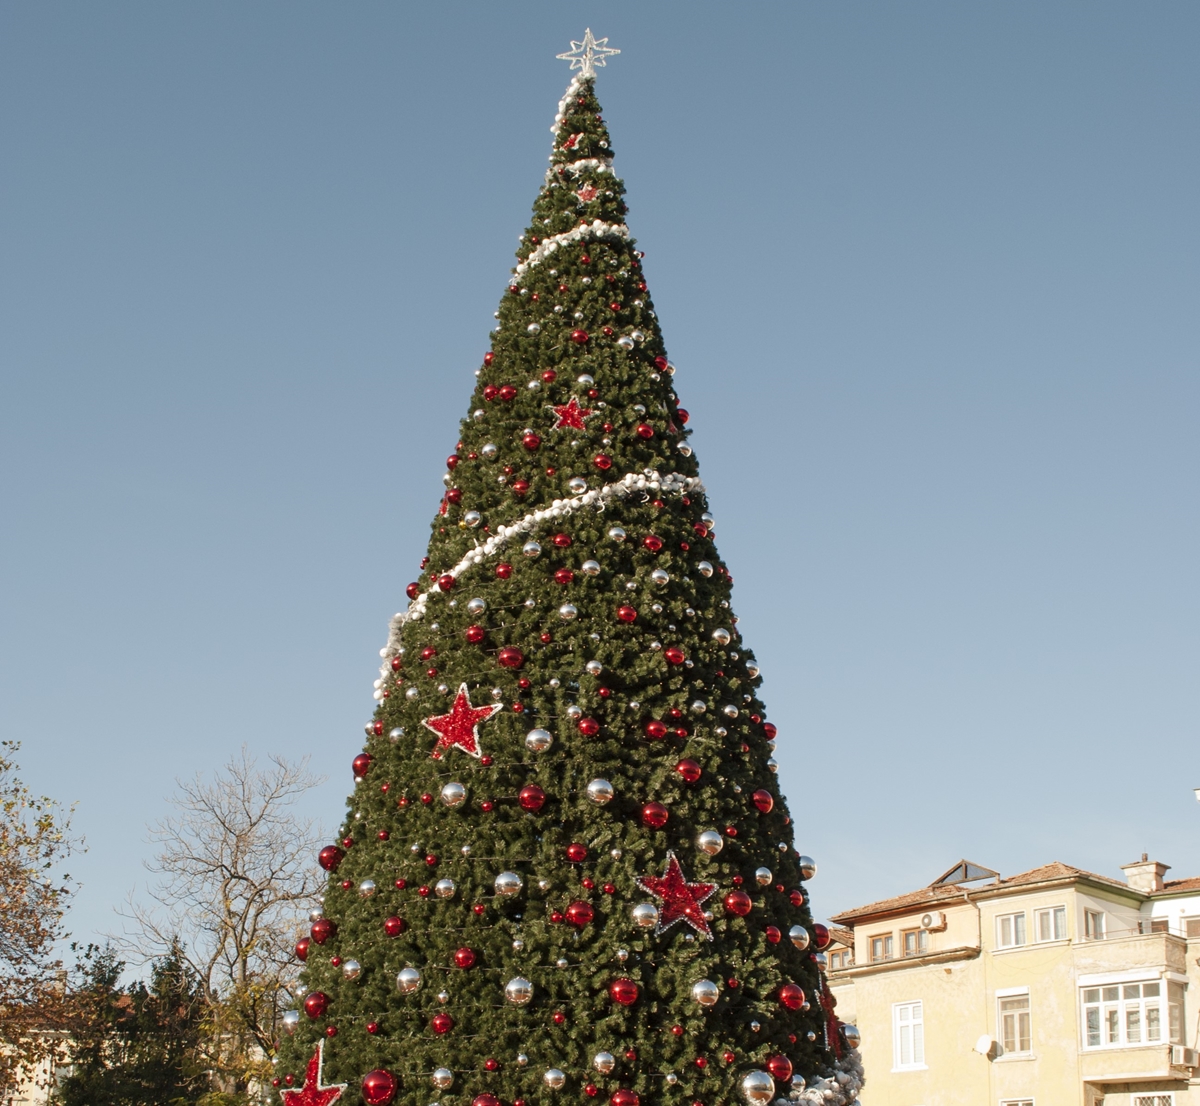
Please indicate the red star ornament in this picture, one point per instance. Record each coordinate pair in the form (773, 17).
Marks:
(587, 193)
(570, 415)
(461, 726)
(314, 1093)
(681, 901)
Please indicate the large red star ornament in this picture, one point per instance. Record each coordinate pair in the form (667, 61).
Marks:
(313, 1093)
(681, 901)
(461, 726)
(570, 415)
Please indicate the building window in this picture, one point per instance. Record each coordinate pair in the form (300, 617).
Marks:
(914, 942)
(881, 947)
(1050, 924)
(839, 959)
(1010, 930)
(1175, 1012)
(1093, 924)
(1126, 1014)
(1014, 1023)
(1192, 927)
(1159, 1099)
(1016, 1102)
(908, 1036)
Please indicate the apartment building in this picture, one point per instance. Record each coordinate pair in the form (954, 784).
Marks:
(1054, 987)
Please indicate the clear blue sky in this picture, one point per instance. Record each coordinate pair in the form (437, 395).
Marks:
(930, 272)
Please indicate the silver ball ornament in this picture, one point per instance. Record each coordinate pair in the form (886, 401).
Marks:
(660, 577)
(454, 794)
(568, 612)
(291, 1019)
(476, 606)
(555, 1079)
(704, 568)
(577, 485)
(518, 991)
(593, 668)
(799, 937)
(408, 980)
(396, 734)
(698, 706)
(522, 1059)
(763, 876)
(442, 1078)
(705, 992)
(852, 1035)
(367, 888)
(645, 915)
(538, 741)
(729, 710)
(722, 636)
(758, 1088)
(444, 888)
(590, 568)
(351, 969)
(508, 883)
(531, 549)
(472, 518)
(808, 867)
(616, 533)
(710, 842)
(489, 451)
(604, 1062)
(600, 792)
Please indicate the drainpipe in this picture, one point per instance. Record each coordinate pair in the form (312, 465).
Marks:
(983, 963)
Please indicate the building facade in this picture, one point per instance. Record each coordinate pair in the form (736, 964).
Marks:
(1055, 987)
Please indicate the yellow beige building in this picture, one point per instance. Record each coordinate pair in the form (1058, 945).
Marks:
(1055, 987)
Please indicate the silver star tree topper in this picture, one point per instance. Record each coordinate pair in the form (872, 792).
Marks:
(589, 54)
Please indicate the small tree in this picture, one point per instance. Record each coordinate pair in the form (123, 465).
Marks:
(34, 839)
(140, 1045)
(235, 878)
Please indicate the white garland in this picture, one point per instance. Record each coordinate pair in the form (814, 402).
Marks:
(598, 228)
(631, 482)
(571, 93)
(840, 1089)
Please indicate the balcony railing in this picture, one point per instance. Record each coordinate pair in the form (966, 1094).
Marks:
(1146, 927)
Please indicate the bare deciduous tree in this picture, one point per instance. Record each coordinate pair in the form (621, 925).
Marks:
(34, 838)
(236, 875)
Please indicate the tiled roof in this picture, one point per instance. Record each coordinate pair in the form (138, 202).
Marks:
(931, 896)
(1174, 885)
(842, 936)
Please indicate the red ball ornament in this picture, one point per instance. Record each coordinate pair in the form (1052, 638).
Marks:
(393, 926)
(773, 934)
(626, 614)
(591, 1090)
(609, 888)
(475, 634)
(796, 898)
(556, 917)
(683, 415)
(769, 730)
(728, 1057)
(348, 842)
(413, 590)
(764, 800)
(442, 1023)
(689, 770)
(559, 1018)
(655, 730)
(426, 797)
(562, 541)
(701, 1062)
(580, 914)
(519, 487)
(489, 357)
(510, 657)
(602, 461)
(589, 727)
(396, 664)
(532, 798)
(508, 393)
(624, 1097)
(445, 581)
(322, 930)
(623, 991)
(739, 903)
(564, 576)
(302, 948)
(655, 815)
(780, 1068)
(673, 655)
(588, 883)
(331, 1031)
(545, 638)
(378, 1087)
(531, 442)
(576, 853)
(652, 542)
(330, 857)
(454, 495)
(315, 1004)
(485, 1100)
(490, 391)
(821, 937)
(549, 376)
(645, 430)
(491, 1064)
(579, 337)
(479, 908)
(373, 1028)
(504, 571)
(791, 995)
(464, 958)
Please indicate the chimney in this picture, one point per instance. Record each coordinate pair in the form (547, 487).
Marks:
(1145, 875)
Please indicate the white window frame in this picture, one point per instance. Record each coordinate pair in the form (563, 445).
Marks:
(915, 1023)
(1095, 924)
(1001, 999)
(1017, 1102)
(1156, 1098)
(1053, 915)
(1016, 928)
(1129, 1015)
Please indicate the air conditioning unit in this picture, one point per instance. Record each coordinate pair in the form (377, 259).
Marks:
(1184, 1057)
(935, 919)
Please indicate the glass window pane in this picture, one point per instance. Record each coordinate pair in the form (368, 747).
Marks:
(1112, 994)
(1133, 990)
(1150, 990)
(1019, 929)
(1060, 923)
(1133, 1024)
(1092, 994)
(1023, 1031)
(1093, 1026)
(1112, 1019)
(918, 1043)
(1153, 1024)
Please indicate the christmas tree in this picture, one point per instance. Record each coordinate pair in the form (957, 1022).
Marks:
(567, 871)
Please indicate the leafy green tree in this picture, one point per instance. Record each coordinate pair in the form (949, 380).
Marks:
(566, 868)
(138, 1045)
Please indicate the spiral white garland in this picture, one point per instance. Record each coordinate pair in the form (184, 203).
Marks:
(572, 92)
(598, 228)
(840, 1089)
(649, 480)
